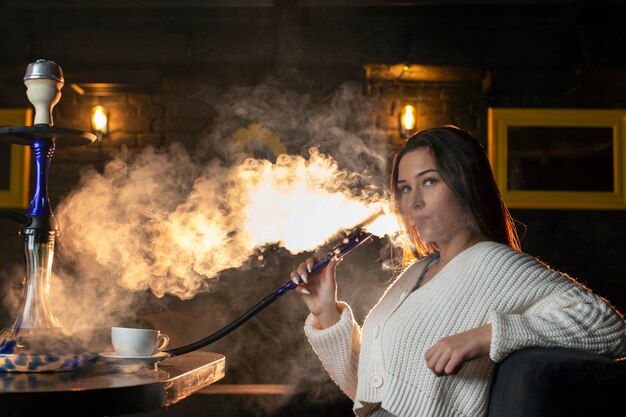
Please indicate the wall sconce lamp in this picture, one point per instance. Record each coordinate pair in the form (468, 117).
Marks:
(408, 121)
(100, 121)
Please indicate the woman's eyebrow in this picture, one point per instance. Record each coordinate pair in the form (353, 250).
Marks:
(426, 171)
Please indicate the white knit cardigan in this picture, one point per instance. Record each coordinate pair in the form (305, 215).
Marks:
(526, 303)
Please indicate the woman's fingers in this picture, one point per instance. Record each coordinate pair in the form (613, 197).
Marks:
(453, 366)
(331, 267)
(442, 362)
(301, 273)
(432, 357)
(446, 357)
(319, 291)
(310, 262)
(295, 278)
(302, 290)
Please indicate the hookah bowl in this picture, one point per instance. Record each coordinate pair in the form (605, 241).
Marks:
(37, 342)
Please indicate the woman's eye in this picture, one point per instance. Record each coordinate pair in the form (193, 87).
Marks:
(430, 181)
(404, 189)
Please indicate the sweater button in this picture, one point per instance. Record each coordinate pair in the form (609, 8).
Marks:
(376, 381)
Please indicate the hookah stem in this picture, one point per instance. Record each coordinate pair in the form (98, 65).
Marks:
(349, 243)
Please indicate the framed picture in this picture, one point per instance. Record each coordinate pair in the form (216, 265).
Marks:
(14, 162)
(559, 158)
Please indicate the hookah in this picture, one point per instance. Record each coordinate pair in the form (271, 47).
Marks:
(36, 342)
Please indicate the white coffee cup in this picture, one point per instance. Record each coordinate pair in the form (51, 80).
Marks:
(137, 342)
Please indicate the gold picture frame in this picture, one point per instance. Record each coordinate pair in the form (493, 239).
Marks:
(15, 194)
(612, 124)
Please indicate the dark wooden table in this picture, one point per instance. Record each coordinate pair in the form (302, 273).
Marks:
(106, 388)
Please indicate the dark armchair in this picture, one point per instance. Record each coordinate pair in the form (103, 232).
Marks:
(555, 382)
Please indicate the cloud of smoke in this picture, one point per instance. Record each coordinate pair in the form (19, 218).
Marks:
(164, 221)
(277, 173)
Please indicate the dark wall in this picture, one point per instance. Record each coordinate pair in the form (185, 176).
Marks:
(173, 63)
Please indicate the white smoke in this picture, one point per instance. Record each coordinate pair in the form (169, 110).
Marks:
(277, 171)
(164, 221)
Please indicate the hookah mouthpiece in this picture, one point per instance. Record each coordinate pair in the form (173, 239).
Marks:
(356, 238)
(347, 245)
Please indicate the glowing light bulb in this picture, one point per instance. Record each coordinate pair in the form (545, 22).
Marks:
(408, 119)
(99, 120)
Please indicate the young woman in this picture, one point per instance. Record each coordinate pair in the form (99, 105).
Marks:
(429, 346)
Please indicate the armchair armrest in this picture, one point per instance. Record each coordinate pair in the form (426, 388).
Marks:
(555, 382)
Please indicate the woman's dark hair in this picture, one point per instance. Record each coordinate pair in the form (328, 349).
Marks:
(464, 167)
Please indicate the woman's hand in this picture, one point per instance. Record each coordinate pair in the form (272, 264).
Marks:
(446, 357)
(318, 292)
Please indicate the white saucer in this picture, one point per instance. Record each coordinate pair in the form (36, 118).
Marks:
(148, 359)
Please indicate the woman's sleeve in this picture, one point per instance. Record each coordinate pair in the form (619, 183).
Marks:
(559, 313)
(338, 348)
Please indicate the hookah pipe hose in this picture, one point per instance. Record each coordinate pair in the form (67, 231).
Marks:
(20, 218)
(349, 243)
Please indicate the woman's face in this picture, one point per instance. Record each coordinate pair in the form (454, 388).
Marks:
(427, 202)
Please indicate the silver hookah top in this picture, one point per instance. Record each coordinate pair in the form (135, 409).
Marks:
(42, 68)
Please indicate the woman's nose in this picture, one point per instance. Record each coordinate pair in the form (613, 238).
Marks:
(417, 200)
